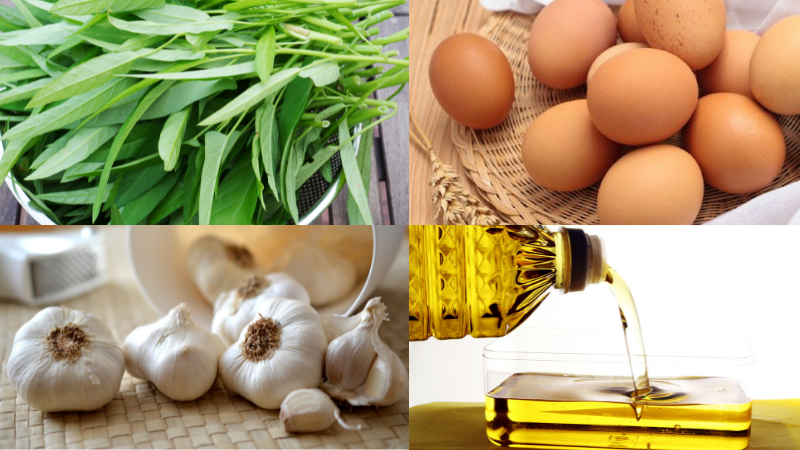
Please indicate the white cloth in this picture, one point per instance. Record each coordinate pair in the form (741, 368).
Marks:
(779, 207)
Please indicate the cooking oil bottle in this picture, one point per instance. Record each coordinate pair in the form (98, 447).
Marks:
(485, 281)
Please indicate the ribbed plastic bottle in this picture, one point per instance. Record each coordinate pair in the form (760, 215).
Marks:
(484, 281)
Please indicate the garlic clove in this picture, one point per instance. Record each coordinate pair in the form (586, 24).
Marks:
(280, 351)
(309, 411)
(351, 355)
(326, 275)
(217, 266)
(178, 356)
(353, 376)
(336, 325)
(235, 309)
(65, 360)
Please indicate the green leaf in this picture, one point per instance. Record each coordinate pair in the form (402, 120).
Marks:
(22, 75)
(183, 94)
(256, 155)
(322, 73)
(192, 180)
(96, 6)
(270, 152)
(52, 69)
(168, 205)
(172, 14)
(27, 13)
(199, 40)
(11, 154)
(86, 77)
(364, 161)
(13, 15)
(137, 182)
(23, 92)
(355, 182)
(222, 72)
(71, 110)
(252, 96)
(169, 144)
(215, 147)
(265, 54)
(139, 41)
(238, 193)
(294, 104)
(138, 209)
(116, 218)
(51, 150)
(173, 55)
(78, 197)
(164, 29)
(119, 139)
(82, 144)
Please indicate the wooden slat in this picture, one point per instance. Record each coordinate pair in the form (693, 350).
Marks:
(394, 134)
(9, 208)
(434, 20)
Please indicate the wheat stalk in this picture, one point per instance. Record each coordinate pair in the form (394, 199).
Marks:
(450, 198)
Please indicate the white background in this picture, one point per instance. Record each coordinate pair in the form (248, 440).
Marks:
(736, 279)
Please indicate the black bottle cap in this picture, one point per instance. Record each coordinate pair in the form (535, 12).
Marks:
(579, 253)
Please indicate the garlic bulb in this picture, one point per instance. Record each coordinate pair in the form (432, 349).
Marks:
(360, 368)
(309, 411)
(65, 360)
(177, 355)
(235, 309)
(217, 266)
(280, 351)
(326, 275)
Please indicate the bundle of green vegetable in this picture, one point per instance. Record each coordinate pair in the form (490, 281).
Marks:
(191, 111)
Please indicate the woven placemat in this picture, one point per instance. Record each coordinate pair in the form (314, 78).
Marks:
(493, 161)
(142, 417)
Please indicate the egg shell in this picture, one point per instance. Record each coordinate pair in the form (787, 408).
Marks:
(738, 145)
(730, 72)
(563, 151)
(775, 68)
(657, 185)
(628, 25)
(642, 96)
(694, 30)
(472, 80)
(566, 37)
(610, 53)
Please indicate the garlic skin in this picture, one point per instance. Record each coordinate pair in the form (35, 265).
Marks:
(309, 411)
(65, 360)
(280, 351)
(236, 308)
(217, 266)
(326, 275)
(360, 368)
(178, 356)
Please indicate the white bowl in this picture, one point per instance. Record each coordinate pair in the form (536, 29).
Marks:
(157, 255)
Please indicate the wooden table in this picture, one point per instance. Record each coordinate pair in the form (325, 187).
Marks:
(434, 20)
(388, 196)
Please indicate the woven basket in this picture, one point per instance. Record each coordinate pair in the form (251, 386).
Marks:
(493, 162)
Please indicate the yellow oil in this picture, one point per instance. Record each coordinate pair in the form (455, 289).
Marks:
(563, 411)
(481, 281)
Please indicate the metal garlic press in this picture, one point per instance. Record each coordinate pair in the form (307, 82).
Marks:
(40, 268)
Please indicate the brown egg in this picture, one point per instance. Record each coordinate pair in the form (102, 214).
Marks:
(566, 37)
(775, 68)
(610, 53)
(472, 81)
(730, 72)
(642, 96)
(738, 145)
(694, 30)
(657, 185)
(628, 25)
(563, 151)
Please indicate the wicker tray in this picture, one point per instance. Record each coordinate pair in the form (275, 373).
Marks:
(142, 417)
(492, 157)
